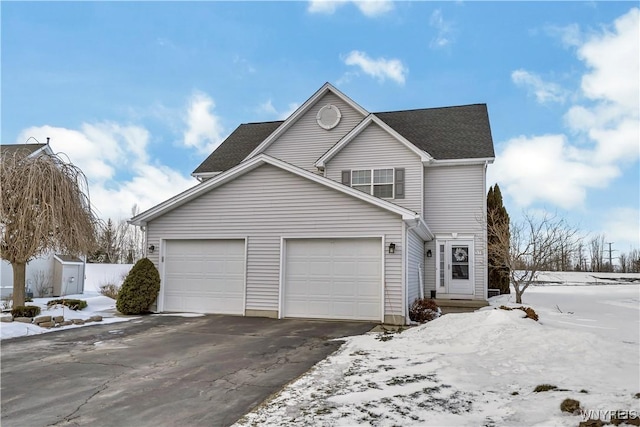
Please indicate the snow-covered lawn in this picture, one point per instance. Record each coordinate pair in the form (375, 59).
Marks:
(96, 305)
(480, 369)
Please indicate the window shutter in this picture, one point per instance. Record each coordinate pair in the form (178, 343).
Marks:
(346, 178)
(400, 183)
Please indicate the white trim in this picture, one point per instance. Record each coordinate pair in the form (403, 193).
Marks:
(161, 251)
(202, 176)
(281, 277)
(61, 261)
(371, 118)
(284, 238)
(246, 270)
(251, 164)
(404, 277)
(383, 278)
(459, 162)
(326, 88)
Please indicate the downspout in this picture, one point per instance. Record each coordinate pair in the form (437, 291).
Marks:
(406, 284)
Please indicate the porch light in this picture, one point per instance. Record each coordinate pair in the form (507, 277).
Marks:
(392, 248)
(429, 254)
(151, 249)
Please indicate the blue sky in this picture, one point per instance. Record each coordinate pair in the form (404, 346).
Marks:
(138, 94)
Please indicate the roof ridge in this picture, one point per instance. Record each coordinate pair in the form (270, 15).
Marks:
(432, 108)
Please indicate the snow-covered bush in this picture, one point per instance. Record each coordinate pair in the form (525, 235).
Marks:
(424, 310)
(73, 304)
(139, 289)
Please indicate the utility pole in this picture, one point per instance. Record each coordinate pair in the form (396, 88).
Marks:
(610, 257)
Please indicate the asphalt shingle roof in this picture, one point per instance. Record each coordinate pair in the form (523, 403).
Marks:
(237, 146)
(446, 133)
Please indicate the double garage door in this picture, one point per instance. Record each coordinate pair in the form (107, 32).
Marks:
(322, 278)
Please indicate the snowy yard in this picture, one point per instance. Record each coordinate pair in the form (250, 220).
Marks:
(480, 369)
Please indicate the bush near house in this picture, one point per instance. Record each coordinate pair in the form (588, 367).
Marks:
(424, 310)
(73, 304)
(139, 289)
(25, 311)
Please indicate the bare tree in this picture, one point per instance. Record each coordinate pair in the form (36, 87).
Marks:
(45, 206)
(596, 252)
(529, 246)
(42, 283)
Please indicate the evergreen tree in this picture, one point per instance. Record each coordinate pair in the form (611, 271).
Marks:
(497, 218)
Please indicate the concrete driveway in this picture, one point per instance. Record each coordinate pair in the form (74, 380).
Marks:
(159, 370)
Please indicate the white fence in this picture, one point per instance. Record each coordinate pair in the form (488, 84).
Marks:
(101, 274)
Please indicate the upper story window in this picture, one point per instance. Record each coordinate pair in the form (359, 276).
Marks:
(378, 182)
(383, 183)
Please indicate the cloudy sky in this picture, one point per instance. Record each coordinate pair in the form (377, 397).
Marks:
(138, 94)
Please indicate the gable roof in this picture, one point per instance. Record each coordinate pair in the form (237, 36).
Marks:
(445, 133)
(27, 150)
(237, 146)
(371, 118)
(407, 215)
(326, 88)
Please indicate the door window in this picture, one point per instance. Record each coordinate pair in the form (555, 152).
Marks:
(460, 262)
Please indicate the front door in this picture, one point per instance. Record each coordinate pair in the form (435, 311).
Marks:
(456, 266)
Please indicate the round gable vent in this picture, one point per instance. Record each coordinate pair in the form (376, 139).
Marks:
(328, 117)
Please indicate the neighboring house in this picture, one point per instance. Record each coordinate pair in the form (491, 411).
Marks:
(50, 274)
(334, 213)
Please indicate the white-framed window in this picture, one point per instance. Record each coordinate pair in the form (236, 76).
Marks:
(378, 182)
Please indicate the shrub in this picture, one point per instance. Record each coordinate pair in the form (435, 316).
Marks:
(544, 387)
(25, 311)
(73, 304)
(570, 405)
(530, 312)
(140, 288)
(424, 310)
(110, 290)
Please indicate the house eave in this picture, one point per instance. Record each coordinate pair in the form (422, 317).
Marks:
(459, 162)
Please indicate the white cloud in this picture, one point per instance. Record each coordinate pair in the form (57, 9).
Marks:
(444, 28)
(380, 68)
(547, 169)
(602, 130)
(622, 226)
(204, 131)
(116, 162)
(370, 8)
(543, 91)
(267, 108)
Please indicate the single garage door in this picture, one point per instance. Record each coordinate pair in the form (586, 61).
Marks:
(204, 276)
(333, 279)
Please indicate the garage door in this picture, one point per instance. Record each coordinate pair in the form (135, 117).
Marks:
(204, 276)
(333, 279)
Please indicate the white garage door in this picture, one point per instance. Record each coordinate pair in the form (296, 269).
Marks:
(204, 276)
(333, 279)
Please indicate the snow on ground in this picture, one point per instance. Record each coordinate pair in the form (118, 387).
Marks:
(96, 305)
(479, 369)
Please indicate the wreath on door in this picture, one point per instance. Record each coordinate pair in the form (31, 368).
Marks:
(460, 254)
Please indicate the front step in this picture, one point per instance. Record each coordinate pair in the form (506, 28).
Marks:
(459, 305)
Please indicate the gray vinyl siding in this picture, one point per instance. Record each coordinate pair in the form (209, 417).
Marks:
(374, 148)
(305, 142)
(269, 203)
(415, 261)
(454, 203)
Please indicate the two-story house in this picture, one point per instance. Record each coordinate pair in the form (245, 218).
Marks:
(333, 213)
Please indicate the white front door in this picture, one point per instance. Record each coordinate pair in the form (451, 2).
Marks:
(455, 265)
